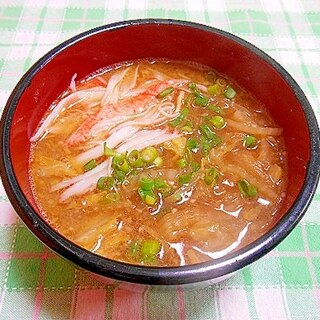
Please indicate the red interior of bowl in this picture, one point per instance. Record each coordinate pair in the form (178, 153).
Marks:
(174, 42)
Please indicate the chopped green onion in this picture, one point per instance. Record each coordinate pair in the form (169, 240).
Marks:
(229, 93)
(119, 175)
(208, 144)
(201, 101)
(187, 126)
(183, 114)
(90, 165)
(158, 161)
(150, 248)
(192, 86)
(165, 92)
(120, 163)
(111, 197)
(177, 196)
(109, 152)
(213, 89)
(150, 200)
(185, 178)
(149, 154)
(210, 176)
(247, 189)
(134, 159)
(146, 251)
(186, 129)
(105, 183)
(182, 163)
(205, 147)
(133, 156)
(146, 183)
(143, 193)
(250, 141)
(188, 100)
(160, 184)
(217, 121)
(215, 141)
(206, 131)
(134, 248)
(192, 145)
(208, 137)
(147, 196)
(195, 166)
(125, 167)
(215, 109)
(118, 160)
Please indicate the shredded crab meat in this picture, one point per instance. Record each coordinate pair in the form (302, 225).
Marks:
(146, 138)
(179, 100)
(112, 141)
(140, 137)
(112, 90)
(86, 185)
(107, 124)
(66, 183)
(146, 117)
(167, 110)
(95, 93)
(136, 91)
(73, 83)
(129, 107)
(126, 88)
(158, 75)
(125, 130)
(154, 119)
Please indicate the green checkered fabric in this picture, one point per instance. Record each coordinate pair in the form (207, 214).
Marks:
(37, 284)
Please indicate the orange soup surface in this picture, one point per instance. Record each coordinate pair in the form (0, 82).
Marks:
(158, 163)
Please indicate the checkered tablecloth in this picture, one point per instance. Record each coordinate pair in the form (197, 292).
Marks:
(37, 284)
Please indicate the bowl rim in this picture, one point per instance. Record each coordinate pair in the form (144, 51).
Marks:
(157, 275)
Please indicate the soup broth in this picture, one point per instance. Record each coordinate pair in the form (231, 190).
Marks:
(158, 163)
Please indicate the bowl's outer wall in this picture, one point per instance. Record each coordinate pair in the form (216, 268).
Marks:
(172, 41)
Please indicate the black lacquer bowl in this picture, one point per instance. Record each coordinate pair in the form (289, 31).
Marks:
(174, 40)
